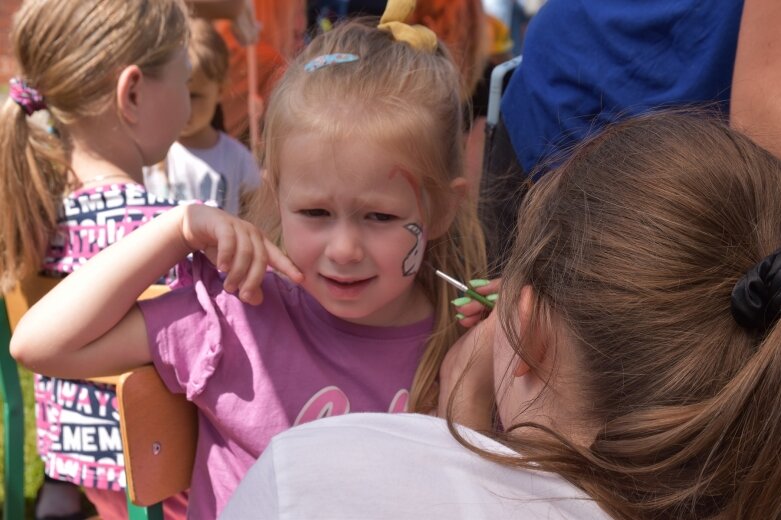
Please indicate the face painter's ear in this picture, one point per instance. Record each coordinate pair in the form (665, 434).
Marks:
(129, 86)
(458, 192)
(536, 340)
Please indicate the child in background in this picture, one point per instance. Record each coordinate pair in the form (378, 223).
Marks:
(116, 90)
(364, 158)
(635, 357)
(205, 163)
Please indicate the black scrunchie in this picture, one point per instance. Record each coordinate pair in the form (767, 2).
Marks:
(756, 298)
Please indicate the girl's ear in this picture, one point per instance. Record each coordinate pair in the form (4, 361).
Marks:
(458, 188)
(129, 93)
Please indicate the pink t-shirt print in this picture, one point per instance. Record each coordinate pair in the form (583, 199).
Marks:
(332, 401)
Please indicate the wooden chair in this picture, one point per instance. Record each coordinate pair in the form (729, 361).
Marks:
(159, 434)
(159, 429)
(12, 306)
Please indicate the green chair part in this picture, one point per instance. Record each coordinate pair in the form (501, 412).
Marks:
(13, 423)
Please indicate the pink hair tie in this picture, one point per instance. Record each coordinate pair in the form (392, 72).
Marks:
(26, 96)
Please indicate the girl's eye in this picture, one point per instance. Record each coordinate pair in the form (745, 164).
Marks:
(314, 212)
(381, 217)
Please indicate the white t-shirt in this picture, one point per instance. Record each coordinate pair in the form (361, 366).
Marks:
(389, 466)
(220, 173)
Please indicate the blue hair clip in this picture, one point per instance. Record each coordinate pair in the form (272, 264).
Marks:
(329, 59)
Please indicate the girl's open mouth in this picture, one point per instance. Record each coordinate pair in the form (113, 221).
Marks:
(346, 288)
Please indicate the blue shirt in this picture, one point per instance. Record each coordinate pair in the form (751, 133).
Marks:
(590, 62)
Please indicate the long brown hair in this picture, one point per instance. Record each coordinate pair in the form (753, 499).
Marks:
(634, 245)
(72, 52)
(409, 100)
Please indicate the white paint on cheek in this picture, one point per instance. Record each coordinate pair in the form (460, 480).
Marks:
(412, 262)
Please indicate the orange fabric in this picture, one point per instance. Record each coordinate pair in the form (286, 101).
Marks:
(283, 24)
(270, 66)
(281, 36)
(461, 25)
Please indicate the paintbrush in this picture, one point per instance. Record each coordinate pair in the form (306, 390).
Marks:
(465, 288)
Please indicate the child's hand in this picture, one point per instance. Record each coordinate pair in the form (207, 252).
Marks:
(470, 312)
(237, 248)
(471, 357)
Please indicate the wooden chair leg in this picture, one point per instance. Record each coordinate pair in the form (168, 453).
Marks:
(13, 423)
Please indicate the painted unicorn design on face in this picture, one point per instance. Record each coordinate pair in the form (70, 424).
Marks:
(414, 258)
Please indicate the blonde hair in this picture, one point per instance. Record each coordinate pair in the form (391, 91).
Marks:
(634, 245)
(207, 50)
(72, 52)
(408, 100)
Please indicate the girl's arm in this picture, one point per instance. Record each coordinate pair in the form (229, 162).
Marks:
(755, 103)
(89, 325)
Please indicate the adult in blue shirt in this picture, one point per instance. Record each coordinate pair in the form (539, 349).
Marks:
(587, 63)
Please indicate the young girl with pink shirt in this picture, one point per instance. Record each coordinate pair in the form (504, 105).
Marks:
(363, 195)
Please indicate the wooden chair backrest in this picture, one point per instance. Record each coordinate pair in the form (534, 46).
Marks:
(159, 429)
(25, 294)
(159, 432)
(159, 435)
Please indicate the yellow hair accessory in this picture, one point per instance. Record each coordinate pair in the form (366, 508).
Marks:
(419, 36)
(499, 36)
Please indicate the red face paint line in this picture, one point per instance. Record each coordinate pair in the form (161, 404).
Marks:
(414, 184)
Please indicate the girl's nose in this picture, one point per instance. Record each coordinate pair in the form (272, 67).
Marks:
(345, 245)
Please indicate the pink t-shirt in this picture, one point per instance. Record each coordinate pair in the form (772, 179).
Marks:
(254, 371)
